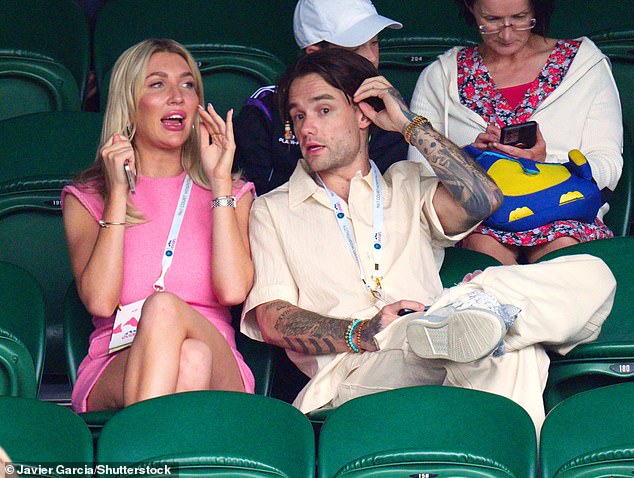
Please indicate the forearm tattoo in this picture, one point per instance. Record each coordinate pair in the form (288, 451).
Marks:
(307, 332)
(464, 178)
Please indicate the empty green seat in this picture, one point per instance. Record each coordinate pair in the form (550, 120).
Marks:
(590, 435)
(43, 435)
(609, 359)
(33, 169)
(574, 18)
(22, 332)
(219, 434)
(426, 432)
(44, 56)
(237, 52)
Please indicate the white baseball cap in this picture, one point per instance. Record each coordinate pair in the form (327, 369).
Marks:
(346, 23)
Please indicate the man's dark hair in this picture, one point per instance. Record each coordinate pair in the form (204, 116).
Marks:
(340, 68)
(542, 9)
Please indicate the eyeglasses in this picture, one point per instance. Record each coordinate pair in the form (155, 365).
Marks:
(493, 27)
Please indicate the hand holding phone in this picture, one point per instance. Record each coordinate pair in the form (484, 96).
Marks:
(128, 173)
(522, 135)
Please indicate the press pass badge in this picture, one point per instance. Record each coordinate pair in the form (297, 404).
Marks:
(128, 173)
(125, 325)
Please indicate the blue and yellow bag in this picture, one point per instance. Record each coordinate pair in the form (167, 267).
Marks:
(540, 193)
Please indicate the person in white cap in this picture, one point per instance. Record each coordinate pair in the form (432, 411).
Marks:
(267, 149)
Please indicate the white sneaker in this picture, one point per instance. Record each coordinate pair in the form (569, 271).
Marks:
(466, 330)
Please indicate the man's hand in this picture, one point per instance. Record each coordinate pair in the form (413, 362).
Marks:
(385, 317)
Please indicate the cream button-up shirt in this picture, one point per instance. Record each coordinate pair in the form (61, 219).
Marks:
(301, 256)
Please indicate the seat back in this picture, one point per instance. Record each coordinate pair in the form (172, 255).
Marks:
(590, 435)
(619, 217)
(402, 59)
(429, 19)
(428, 431)
(574, 18)
(610, 358)
(33, 169)
(22, 332)
(44, 56)
(230, 73)
(44, 435)
(459, 262)
(220, 434)
(192, 22)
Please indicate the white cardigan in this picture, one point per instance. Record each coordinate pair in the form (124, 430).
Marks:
(584, 112)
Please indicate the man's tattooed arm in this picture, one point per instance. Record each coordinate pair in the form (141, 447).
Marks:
(465, 180)
(291, 327)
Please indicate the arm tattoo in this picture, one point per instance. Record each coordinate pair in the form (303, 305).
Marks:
(465, 179)
(305, 331)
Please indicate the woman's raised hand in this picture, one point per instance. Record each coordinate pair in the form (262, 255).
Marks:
(115, 153)
(217, 154)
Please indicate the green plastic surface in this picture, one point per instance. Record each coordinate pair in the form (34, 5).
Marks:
(420, 431)
(218, 434)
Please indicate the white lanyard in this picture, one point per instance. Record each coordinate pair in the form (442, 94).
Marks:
(170, 246)
(377, 236)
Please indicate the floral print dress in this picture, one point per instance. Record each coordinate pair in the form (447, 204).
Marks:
(479, 93)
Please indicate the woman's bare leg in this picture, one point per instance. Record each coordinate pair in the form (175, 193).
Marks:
(154, 363)
(507, 255)
(533, 254)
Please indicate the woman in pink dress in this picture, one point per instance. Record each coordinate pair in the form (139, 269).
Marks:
(122, 236)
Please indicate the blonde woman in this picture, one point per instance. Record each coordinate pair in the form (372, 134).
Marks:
(122, 236)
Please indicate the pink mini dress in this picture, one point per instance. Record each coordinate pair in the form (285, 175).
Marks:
(189, 276)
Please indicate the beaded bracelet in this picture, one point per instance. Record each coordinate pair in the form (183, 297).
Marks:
(359, 329)
(350, 334)
(106, 224)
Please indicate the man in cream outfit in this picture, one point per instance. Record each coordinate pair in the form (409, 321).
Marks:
(341, 252)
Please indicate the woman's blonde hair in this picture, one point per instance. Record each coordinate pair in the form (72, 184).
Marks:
(126, 85)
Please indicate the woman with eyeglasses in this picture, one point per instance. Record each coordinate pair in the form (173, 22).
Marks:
(515, 75)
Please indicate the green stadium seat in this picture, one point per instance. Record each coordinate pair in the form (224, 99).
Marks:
(22, 332)
(619, 217)
(238, 51)
(609, 359)
(219, 434)
(575, 18)
(590, 435)
(459, 262)
(428, 19)
(44, 56)
(44, 435)
(231, 73)
(426, 432)
(403, 59)
(39, 154)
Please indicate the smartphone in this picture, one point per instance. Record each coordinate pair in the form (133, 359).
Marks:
(520, 135)
(128, 173)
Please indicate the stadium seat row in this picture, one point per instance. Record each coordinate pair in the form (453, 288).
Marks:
(45, 46)
(418, 432)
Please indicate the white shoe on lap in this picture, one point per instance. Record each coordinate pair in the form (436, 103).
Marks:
(466, 330)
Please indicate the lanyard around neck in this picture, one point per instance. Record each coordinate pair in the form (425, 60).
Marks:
(170, 245)
(377, 232)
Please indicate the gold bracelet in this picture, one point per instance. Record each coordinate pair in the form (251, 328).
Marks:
(415, 123)
(106, 224)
